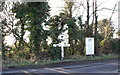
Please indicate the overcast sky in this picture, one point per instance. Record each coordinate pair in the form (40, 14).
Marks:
(58, 4)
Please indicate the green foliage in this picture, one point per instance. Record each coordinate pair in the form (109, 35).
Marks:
(118, 32)
(38, 16)
(34, 16)
(105, 46)
(76, 36)
(115, 45)
(56, 24)
(55, 52)
(105, 28)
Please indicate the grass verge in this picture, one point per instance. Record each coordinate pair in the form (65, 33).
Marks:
(39, 63)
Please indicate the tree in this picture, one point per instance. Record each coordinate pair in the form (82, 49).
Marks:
(56, 27)
(88, 32)
(71, 23)
(106, 30)
(19, 9)
(96, 25)
(6, 22)
(37, 15)
(118, 33)
(32, 17)
(75, 30)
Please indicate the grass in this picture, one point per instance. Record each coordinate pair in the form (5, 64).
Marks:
(28, 63)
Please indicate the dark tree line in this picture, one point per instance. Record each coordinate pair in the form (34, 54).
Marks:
(33, 17)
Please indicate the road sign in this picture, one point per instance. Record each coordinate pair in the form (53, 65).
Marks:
(89, 46)
(55, 45)
(66, 45)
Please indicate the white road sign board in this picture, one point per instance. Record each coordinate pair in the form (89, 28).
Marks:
(89, 46)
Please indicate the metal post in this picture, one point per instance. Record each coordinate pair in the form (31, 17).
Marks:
(62, 52)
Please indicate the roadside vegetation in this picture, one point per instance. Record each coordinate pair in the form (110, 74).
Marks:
(28, 63)
(34, 20)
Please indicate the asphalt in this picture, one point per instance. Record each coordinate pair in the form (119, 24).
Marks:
(109, 66)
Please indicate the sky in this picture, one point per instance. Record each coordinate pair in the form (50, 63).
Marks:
(57, 6)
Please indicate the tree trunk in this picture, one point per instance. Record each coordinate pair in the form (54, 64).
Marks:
(95, 34)
(87, 22)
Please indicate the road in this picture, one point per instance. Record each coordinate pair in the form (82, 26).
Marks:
(110, 67)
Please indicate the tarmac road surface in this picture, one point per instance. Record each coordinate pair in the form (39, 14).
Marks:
(105, 67)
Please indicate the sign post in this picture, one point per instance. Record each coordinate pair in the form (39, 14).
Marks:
(89, 46)
(62, 45)
(62, 52)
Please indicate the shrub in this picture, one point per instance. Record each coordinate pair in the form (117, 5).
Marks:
(115, 45)
(55, 52)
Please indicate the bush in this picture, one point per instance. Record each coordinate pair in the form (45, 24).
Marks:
(105, 46)
(115, 45)
(55, 52)
(110, 46)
